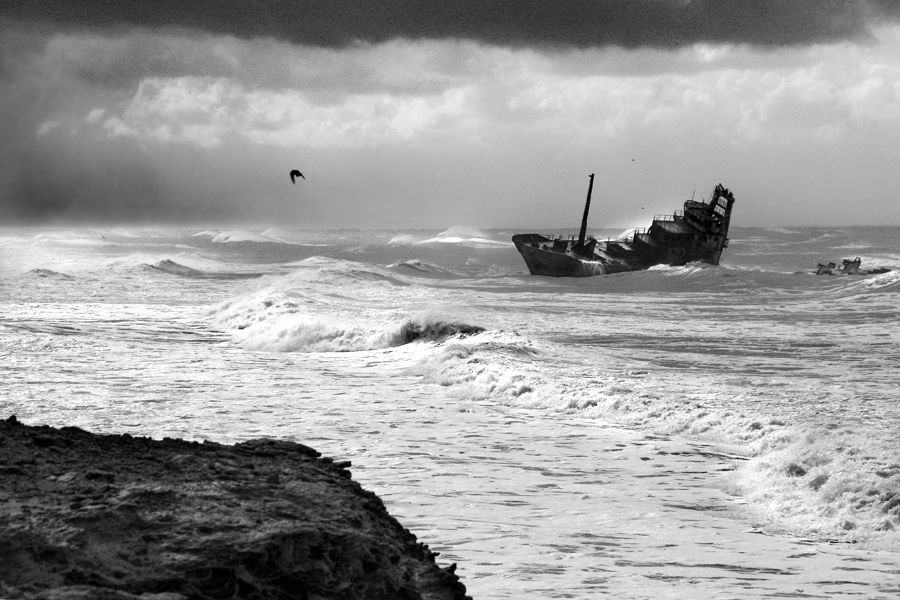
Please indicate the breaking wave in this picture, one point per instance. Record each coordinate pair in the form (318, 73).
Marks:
(867, 286)
(239, 236)
(173, 268)
(432, 331)
(335, 271)
(812, 480)
(457, 235)
(266, 236)
(823, 481)
(419, 267)
(403, 239)
(286, 314)
(49, 274)
(300, 332)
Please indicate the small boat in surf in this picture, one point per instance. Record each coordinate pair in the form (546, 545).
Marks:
(699, 233)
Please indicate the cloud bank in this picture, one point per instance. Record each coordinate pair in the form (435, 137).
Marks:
(118, 116)
(568, 23)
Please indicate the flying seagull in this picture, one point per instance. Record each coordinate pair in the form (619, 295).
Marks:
(294, 175)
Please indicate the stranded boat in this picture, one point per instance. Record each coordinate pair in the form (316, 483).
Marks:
(698, 233)
(848, 267)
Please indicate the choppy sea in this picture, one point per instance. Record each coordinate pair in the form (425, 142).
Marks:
(682, 432)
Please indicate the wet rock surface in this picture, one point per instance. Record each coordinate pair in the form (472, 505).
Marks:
(86, 516)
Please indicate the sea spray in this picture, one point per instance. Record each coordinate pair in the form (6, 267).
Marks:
(276, 319)
(813, 481)
(705, 432)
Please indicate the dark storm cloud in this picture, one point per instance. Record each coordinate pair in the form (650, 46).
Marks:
(578, 23)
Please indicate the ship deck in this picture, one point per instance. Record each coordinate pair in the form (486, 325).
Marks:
(675, 227)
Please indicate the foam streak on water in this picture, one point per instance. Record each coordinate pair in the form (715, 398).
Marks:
(683, 432)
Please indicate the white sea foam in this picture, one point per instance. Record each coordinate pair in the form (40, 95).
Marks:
(824, 482)
(754, 397)
(404, 239)
(807, 480)
(140, 233)
(456, 235)
(880, 283)
(278, 313)
(783, 230)
(290, 330)
(464, 231)
(474, 242)
(240, 235)
(270, 235)
(687, 270)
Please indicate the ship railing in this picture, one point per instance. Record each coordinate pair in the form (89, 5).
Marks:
(674, 216)
(663, 217)
(569, 239)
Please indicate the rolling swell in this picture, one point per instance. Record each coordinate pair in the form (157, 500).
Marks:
(418, 267)
(171, 267)
(335, 271)
(49, 274)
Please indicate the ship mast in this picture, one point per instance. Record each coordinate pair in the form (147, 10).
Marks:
(587, 207)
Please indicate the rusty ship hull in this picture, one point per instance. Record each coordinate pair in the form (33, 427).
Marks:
(698, 233)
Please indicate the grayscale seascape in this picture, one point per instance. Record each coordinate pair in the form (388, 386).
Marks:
(599, 298)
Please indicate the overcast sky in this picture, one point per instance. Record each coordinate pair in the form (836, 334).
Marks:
(432, 113)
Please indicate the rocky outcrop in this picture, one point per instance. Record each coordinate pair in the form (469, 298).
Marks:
(116, 517)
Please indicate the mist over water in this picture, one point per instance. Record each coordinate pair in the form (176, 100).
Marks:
(678, 432)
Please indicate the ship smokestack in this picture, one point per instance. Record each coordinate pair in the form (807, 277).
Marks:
(587, 207)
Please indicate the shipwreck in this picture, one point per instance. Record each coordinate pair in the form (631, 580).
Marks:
(699, 233)
(848, 267)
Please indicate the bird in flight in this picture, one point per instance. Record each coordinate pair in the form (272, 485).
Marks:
(294, 174)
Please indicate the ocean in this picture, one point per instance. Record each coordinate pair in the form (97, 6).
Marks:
(681, 432)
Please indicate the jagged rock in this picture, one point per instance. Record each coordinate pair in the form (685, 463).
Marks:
(795, 470)
(116, 517)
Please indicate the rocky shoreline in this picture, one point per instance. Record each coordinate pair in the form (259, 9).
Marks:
(117, 517)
